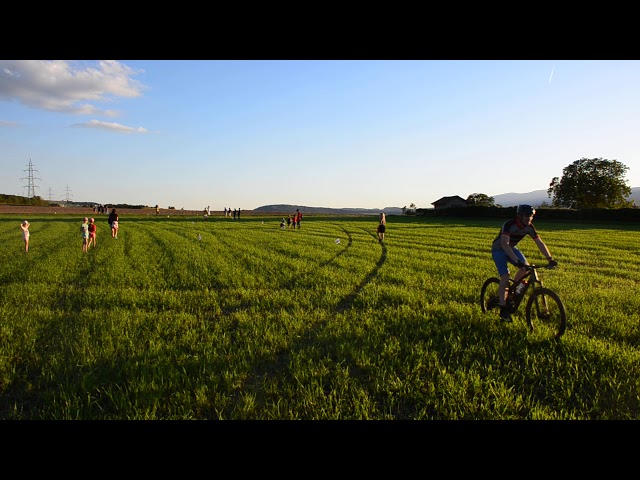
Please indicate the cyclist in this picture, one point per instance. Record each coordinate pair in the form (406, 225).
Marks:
(504, 250)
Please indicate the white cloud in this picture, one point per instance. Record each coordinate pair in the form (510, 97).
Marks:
(68, 87)
(113, 127)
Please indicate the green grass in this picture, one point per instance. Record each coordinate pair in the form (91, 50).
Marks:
(253, 322)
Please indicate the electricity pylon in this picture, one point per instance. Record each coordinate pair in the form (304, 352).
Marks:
(68, 195)
(31, 185)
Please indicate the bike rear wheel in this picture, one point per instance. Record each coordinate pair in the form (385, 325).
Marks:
(489, 294)
(546, 314)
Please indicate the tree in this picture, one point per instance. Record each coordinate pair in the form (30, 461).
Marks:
(409, 211)
(591, 183)
(481, 200)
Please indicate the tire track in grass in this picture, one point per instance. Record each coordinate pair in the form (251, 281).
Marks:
(174, 257)
(227, 244)
(347, 302)
(289, 285)
(279, 365)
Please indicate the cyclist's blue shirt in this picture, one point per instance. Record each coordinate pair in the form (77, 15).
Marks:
(516, 231)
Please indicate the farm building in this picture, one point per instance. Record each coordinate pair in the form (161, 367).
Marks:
(446, 202)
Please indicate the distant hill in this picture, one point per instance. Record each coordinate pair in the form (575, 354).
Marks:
(325, 210)
(537, 197)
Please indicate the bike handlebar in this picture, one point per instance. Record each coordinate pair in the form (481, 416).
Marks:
(534, 267)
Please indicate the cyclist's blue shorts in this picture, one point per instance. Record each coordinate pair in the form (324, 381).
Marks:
(501, 258)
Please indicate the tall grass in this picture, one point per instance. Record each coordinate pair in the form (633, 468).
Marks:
(186, 318)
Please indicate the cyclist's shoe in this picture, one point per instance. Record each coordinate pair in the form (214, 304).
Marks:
(505, 316)
(492, 303)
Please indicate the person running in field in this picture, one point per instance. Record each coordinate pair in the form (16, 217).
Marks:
(25, 234)
(113, 221)
(382, 227)
(289, 222)
(84, 231)
(504, 250)
(93, 228)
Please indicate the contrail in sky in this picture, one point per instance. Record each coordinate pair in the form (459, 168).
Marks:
(552, 70)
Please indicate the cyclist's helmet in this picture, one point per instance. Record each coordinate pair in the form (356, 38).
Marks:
(526, 210)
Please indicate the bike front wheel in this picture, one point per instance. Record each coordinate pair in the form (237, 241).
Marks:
(546, 314)
(489, 294)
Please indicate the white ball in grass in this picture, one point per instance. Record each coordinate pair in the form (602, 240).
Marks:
(337, 241)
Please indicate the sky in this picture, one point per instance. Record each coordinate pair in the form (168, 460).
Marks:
(318, 133)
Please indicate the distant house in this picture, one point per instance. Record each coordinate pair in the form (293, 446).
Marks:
(446, 202)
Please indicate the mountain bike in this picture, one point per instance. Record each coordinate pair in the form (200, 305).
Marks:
(544, 311)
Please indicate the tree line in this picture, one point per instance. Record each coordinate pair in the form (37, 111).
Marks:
(18, 200)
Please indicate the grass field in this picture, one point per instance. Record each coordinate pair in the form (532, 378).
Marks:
(186, 318)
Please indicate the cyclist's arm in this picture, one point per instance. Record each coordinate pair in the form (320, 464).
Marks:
(504, 241)
(543, 248)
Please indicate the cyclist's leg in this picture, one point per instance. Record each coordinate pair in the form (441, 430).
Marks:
(521, 271)
(500, 259)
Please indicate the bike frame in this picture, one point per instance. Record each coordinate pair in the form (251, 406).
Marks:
(514, 299)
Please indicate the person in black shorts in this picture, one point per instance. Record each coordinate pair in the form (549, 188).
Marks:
(504, 251)
(113, 223)
(382, 227)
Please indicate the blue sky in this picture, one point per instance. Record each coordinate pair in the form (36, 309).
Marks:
(321, 133)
